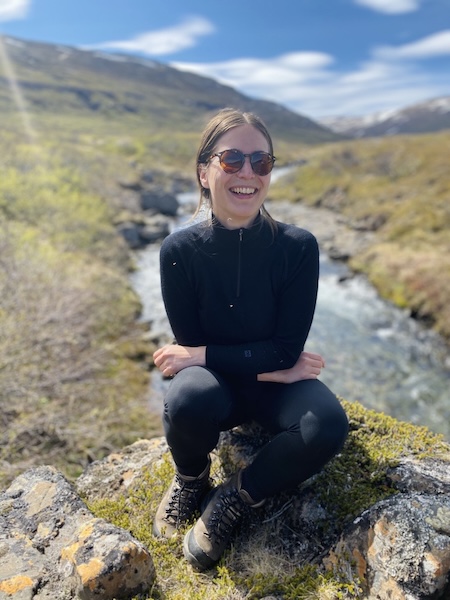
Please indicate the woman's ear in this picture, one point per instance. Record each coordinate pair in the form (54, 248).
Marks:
(203, 175)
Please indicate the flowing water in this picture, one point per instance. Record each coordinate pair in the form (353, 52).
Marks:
(374, 352)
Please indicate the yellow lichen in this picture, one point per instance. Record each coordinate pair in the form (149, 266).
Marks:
(89, 571)
(16, 584)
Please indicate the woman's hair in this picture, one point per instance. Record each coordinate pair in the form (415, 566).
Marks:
(223, 121)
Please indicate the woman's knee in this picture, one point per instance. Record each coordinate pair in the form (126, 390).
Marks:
(327, 427)
(192, 395)
(315, 412)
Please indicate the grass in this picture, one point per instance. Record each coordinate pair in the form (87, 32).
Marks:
(73, 357)
(398, 187)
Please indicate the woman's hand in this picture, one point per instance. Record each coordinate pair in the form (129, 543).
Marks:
(308, 366)
(172, 358)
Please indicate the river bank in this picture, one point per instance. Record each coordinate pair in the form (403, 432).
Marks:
(396, 188)
(375, 353)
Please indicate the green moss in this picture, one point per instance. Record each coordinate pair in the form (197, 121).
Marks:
(352, 482)
(356, 479)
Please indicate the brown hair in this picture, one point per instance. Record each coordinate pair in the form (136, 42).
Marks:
(223, 121)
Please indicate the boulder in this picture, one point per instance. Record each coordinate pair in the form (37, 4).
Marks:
(52, 546)
(400, 547)
(159, 201)
(396, 549)
(140, 232)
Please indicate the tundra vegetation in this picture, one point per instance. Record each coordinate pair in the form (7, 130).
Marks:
(74, 357)
(399, 188)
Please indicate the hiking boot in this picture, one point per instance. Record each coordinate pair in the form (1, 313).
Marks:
(225, 505)
(180, 503)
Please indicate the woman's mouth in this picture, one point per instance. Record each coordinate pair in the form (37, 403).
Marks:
(243, 191)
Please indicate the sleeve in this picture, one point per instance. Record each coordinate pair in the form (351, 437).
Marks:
(295, 312)
(178, 292)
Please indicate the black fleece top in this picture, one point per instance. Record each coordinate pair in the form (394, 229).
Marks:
(247, 294)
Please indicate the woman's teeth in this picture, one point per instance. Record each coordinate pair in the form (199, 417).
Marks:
(243, 190)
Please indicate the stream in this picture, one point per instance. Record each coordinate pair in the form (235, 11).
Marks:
(374, 352)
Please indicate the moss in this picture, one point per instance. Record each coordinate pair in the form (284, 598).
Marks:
(356, 478)
(304, 583)
(176, 580)
(352, 482)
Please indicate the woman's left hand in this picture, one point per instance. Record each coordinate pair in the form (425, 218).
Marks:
(171, 358)
(308, 366)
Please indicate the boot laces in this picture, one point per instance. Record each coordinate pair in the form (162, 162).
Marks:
(225, 515)
(184, 500)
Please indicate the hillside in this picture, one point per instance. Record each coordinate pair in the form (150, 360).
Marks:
(399, 189)
(122, 91)
(425, 117)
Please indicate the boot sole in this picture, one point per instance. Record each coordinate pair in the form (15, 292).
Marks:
(202, 565)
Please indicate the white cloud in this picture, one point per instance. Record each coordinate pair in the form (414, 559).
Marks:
(13, 9)
(312, 84)
(390, 7)
(256, 74)
(165, 41)
(437, 44)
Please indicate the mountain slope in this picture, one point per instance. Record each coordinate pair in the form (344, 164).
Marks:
(61, 79)
(426, 117)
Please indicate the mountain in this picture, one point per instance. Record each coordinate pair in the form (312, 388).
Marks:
(58, 80)
(426, 117)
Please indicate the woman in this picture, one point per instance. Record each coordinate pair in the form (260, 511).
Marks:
(240, 292)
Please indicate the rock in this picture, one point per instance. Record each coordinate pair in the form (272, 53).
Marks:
(335, 235)
(130, 184)
(51, 546)
(131, 234)
(116, 473)
(401, 548)
(159, 201)
(140, 232)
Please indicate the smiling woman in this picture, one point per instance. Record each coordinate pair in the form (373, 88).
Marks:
(237, 188)
(248, 286)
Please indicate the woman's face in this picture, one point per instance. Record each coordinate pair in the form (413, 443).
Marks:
(236, 198)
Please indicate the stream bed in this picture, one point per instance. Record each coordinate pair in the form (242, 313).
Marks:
(374, 352)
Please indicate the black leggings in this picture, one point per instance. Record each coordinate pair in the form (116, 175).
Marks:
(307, 420)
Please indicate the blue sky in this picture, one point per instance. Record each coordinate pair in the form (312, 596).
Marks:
(320, 58)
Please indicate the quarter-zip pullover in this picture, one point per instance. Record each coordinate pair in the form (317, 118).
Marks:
(246, 294)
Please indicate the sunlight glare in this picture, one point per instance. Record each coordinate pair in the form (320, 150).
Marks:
(16, 93)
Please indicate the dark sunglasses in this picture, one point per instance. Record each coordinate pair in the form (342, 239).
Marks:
(233, 160)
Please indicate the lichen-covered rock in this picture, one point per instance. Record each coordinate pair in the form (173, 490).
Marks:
(51, 546)
(400, 547)
(393, 544)
(117, 472)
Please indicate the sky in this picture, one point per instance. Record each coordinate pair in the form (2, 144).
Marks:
(320, 58)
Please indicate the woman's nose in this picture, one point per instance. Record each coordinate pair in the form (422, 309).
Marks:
(247, 169)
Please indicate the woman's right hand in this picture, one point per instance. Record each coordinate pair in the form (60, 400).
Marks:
(172, 358)
(308, 366)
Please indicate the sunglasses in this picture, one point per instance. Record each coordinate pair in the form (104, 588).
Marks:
(233, 160)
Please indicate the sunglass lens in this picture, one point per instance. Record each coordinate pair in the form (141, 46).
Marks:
(262, 163)
(232, 161)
